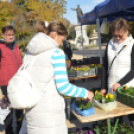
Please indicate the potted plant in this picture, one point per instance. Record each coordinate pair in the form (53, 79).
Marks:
(71, 73)
(82, 70)
(126, 95)
(83, 107)
(105, 102)
(98, 68)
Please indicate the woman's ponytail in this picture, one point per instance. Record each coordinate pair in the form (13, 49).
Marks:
(41, 26)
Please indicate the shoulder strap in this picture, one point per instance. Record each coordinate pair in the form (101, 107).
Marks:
(27, 64)
(114, 59)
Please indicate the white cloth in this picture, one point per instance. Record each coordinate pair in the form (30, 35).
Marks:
(119, 45)
(3, 114)
(48, 116)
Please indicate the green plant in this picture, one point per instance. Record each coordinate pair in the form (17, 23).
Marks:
(103, 98)
(120, 129)
(128, 90)
(83, 104)
(98, 95)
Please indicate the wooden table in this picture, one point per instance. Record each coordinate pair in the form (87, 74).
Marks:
(101, 115)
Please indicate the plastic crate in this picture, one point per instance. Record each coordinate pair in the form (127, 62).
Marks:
(98, 71)
(82, 73)
(91, 72)
(72, 74)
(124, 98)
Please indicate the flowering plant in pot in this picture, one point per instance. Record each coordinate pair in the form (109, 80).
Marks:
(126, 95)
(105, 102)
(83, 107)
(83, 104)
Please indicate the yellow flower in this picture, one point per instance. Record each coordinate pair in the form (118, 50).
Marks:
(96, 91)
(126, 87)
(106, 96)
(82, 98)
(111, 96)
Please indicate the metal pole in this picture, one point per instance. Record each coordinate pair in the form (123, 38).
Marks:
(99, 36)
(82, 41)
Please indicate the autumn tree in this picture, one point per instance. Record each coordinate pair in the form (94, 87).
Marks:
(7, 11)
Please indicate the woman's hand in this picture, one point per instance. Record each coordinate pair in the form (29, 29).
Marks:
(90, 96)
(115, 86)
(103, 91)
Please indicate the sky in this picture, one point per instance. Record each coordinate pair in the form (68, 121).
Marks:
(85, 5)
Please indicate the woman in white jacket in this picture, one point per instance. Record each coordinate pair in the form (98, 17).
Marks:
(120, 71)
(48, 116)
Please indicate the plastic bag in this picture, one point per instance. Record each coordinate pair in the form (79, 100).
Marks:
(104, 29)
(106, 106)
(5, 109)
(86, 112)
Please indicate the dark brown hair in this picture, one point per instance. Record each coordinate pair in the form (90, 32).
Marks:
(54, 26)
(7, 28)
(120, 24)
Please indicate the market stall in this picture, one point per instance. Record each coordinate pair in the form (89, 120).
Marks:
(109, 9)
(101, 115)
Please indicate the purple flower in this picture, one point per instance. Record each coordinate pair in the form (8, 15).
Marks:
(91, 132)
(84, 101)
(77, 130)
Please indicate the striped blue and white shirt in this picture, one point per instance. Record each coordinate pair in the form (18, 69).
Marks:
(61, 77)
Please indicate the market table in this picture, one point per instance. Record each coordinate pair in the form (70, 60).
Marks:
(101, 115)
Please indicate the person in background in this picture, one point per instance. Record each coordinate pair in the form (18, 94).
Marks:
(48, 116)
(10, 61)
(67, 48)
(120, 71)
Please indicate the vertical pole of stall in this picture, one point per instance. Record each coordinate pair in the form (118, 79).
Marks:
(82, 40)
(99, 36)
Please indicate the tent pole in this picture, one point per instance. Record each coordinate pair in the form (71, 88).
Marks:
(99, 36)
(82, 40)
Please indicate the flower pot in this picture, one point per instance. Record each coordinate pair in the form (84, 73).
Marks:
(82, 73)
(91, 72)
(98, 71)
(72, 74)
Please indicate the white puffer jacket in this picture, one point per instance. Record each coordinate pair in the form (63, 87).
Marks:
(122, 64)
(48, 116)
